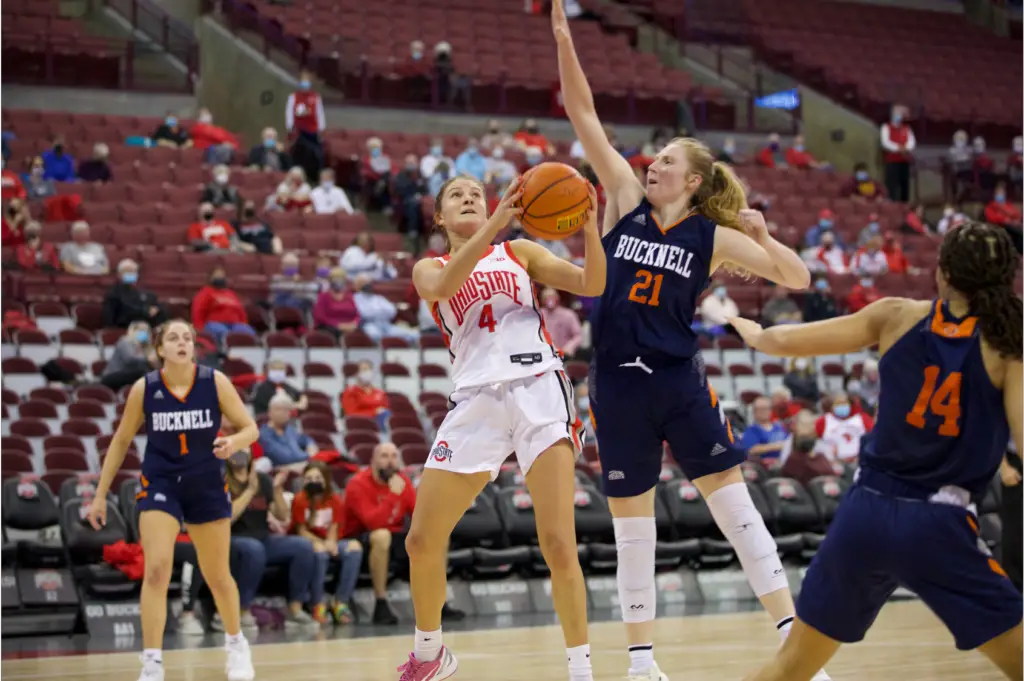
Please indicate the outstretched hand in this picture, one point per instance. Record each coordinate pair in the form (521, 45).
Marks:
(748, 330)
(509, 207)
(559, 22)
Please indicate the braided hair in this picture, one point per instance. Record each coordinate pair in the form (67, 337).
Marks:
(980, 262)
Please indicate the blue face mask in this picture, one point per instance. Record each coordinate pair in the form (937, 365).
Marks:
(304, 85)
(798, 147)
(473, 151)
(862, 175)
(825, 223)
(774, 146)
(584, 404)
(720, 292)
(1000, 198)
(269, 143)
(841, 410)
(142, 336)
(874, 226)
(375, 152)
(416, 56)
(897, 118)
(821, 285)
(436, 150)
(130, 277)
(867, 283)
(171, 121)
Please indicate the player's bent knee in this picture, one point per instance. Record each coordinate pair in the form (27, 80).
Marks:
(559, 551)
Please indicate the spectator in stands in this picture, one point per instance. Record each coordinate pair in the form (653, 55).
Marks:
(254, 496)
(254, 234)
(449, 83)
(557, 247)
(433, 158)
(210, 233)
(862, 294)
(288, 288)
(318, 515)
(293, 193)
(529, 135)
(496, 137)
(582, 393)
(16, 216)
(281, 441)
(10, 184)
(269, 155)
(780, 308)
(364, 398)
(218, 144)
(798, 157)
(914, 221)
(500, 171)
(1015, 164)
(870, 230)
(442, 173)
(306, 122)
(819, 303)
(829, 256)
(802, 380)
(783, 407)
(425, 319)
(870, 260)
(125, 302)
(826, 223)
(861, 186)
(58, 165)
(37, 185)
(772, 156)
(362, 258)
(377, 174)
(471, 162)
(328, 198)
(132, 358)
(81, 256)
(951, 217)
(324, 265)
(1000, 211)
(898, 146)
(983, 166)
(220, 192)
(335, 310)
(562, 323)
(171, 134)
(727, 154)
(960, 159)
(716, 309)
(895, 258)
(843, 427)
(804, 456)
(97, 168)
(217, 310)
(379, 499)
(763, 438)
(377, 313)
(35, 254)
(276, 383)
(409, 190)
(869, 386)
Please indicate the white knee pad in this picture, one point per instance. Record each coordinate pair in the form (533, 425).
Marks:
(635, 540)
(738, 519)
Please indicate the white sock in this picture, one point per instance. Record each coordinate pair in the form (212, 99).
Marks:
(579, 663)
(784, 625)
(232, 640)
(427, 645)
(153, 655)
(641, 659)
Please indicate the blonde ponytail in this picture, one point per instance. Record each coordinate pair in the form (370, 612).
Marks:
(724, 199)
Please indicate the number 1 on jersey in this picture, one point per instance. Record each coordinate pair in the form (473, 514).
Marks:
(184, 443)
(487, 320)
(945, 402)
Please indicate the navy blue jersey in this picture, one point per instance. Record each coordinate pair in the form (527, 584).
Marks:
(654, 279)
(180, 431)
(940, 420)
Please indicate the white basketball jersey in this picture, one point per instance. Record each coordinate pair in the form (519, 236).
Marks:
(493, 327)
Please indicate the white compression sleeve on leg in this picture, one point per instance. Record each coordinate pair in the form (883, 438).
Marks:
(635, 540)
(738, 519)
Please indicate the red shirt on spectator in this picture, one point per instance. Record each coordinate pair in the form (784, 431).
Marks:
(536, 139)
(32, 259)
(371, 505)
(766, 157)
(213, 304)
(895, 256)
(359, 400)
(1002, 213)
(217, 233)
(305, 112)
(11, 185)
(784, 412)
(318, 518)
(9, 236)
(206, 135)
(799, 159)
(860, 297)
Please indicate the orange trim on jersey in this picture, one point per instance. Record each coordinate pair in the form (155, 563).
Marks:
(993, 564)
(192, 383)
(965, 329)
(543, 326)
(593, 421)
(512, 254)
(714, 395)
(142, 479)
(672, 226)
(435, 312)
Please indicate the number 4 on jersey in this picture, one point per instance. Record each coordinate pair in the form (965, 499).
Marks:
(945, 402)
(487, 320)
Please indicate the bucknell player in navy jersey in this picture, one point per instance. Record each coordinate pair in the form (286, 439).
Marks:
(647, 381)
(182, 481)
(951, 377)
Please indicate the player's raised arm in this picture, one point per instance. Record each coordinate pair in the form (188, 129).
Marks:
(765, 257)
(836, 336)
(612, 169)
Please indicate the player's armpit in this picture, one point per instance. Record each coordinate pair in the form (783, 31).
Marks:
(547, 269)
(1013, 401)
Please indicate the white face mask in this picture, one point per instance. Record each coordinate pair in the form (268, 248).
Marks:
(277, 375)
(206, 118)
(800, 364)
(366, 377)
(221, 178)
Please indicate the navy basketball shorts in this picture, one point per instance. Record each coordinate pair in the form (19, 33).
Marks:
(876, 543)
(194, 499)
(635, 409)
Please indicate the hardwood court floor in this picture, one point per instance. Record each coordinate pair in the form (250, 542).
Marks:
(907, 642)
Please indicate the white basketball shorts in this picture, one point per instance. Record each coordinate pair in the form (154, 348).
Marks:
(525, 416)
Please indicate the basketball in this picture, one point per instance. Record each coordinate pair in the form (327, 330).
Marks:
(555, 201)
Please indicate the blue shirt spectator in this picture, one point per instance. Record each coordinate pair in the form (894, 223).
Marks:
(763, 439)
(471, 162)
(282, 443)
(57, 164)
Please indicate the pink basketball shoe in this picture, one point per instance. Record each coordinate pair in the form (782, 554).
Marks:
(442, 668)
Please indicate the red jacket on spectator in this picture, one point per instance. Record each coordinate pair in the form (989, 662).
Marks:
(32, 259)
(1005, 214)
(206, 135)
(860, 297)
(766, 157)
(217, 233)
(305, 112)
(898, 143)
(12, 187)
(371, 505)
(319, 518)
(895, 256)
(358, 400)
(983, 163)
(799, 159)
(913, 221)
(9, 236)
(217, 305)
(532, 140)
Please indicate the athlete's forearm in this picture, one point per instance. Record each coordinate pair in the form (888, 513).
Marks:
(793, 271)
(454, 274)
(576, 94)
(116, 453)
(247, 435)
(595, 265)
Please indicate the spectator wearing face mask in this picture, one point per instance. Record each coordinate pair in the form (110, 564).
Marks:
(328, 198)
(869, 387)
(433, 158)
(379, 500)
(217, 310)
(37, 185)
(819, 303)
(293, 193)
(362, 258)
(415, 66)
(1015, 164)
(220, 192)
(764, 437)
(716, 309)
(862, 294)
(442, 173)
(983, 166)
(532, 157)
(171, 134)
(133, 358)
(804, 456)
(798, 157)
(727, 154)
(529, 135)
(126, 302)
(210, 233)
(335, 310)
(305, 122)
(269, 155)
(496, 137)
(377, 313)
(582, 392)
(826, 223)
(960, 160)
(82, 256)
(58, 165)
(895, 258)
(951, 217)
(218, 144)
(97, 168)
(318, 515)
(780, 308)
(281, 441)
(562, 323)
(409, 190)
(870, 230)
(363, 398)
(276, 383)
(898, 144)
(870, 260)
(772, 155)
(254, 234)
(288, 288)
(829, 256)
(471, 162)
(861, 186)
(802, 380)
(35, 254)
(1000, 211)
(450, 84)
(914, 221)
(843, 428)
(377, 174)
(500, 171)
(783, 406)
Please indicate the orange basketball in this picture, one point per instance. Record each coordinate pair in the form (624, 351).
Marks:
(555, 201)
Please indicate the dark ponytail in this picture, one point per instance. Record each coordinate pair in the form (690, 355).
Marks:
(980, 261)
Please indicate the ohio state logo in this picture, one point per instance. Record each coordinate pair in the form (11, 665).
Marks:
(441, 452)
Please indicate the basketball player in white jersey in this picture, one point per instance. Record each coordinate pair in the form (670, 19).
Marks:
(511, 395)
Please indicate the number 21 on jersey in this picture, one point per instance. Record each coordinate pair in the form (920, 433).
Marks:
(943, 401)
(644, 281)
